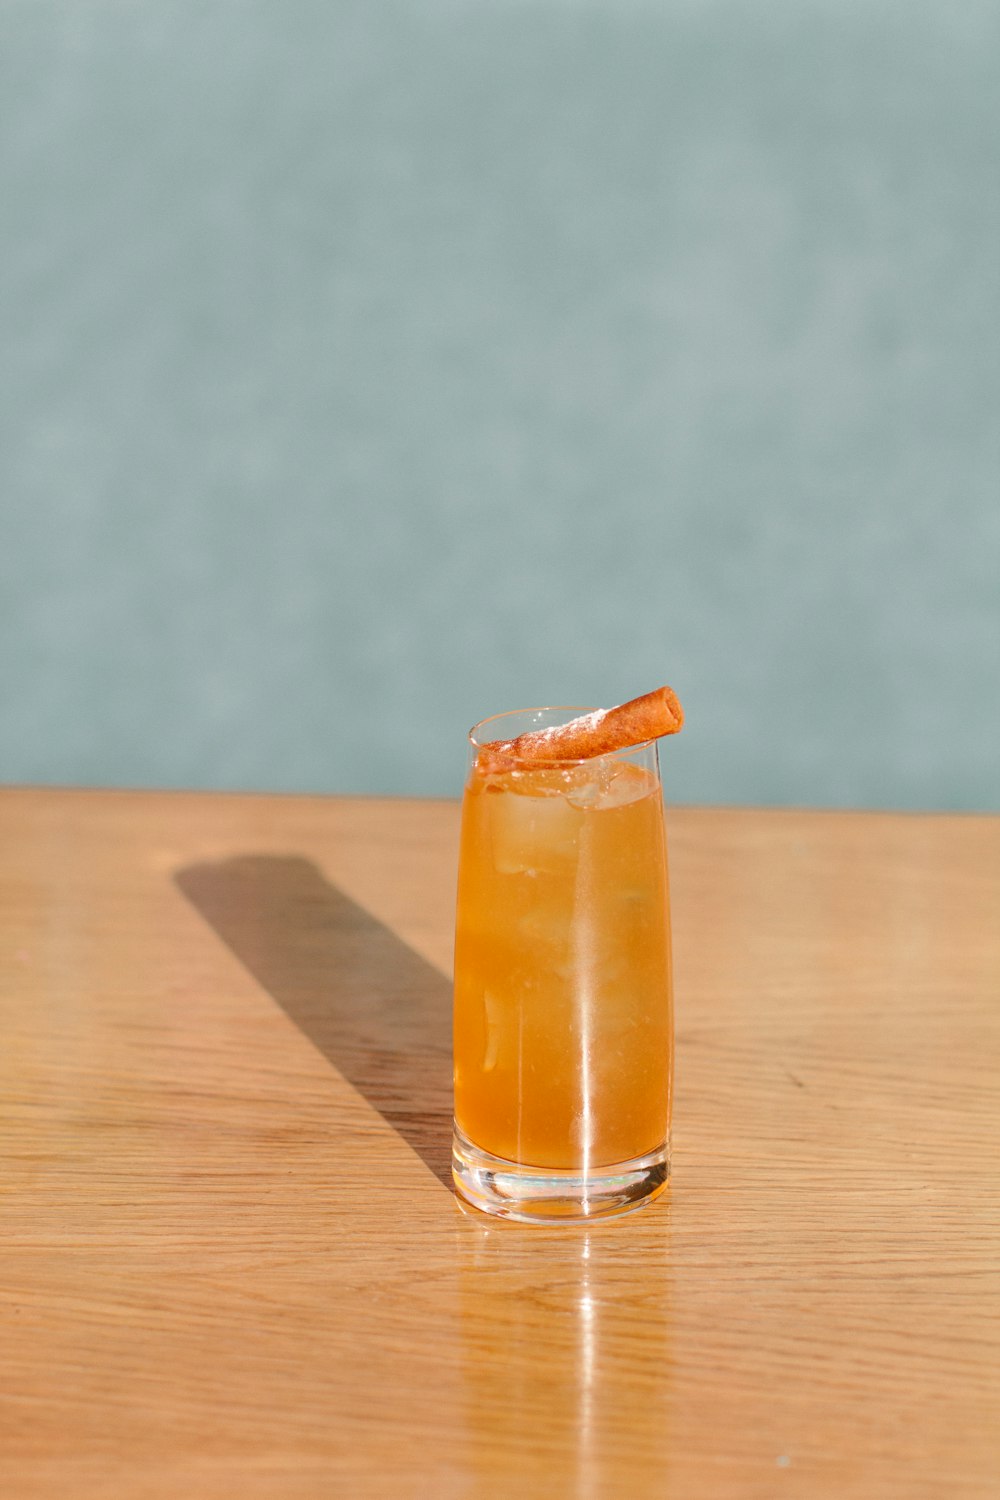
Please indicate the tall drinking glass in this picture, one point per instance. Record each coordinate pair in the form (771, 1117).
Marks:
(563, 1015)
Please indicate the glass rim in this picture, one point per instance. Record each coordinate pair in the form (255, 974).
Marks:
(574, 711)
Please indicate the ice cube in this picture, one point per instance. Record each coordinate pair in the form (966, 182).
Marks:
(532, 834)
(587, 783)
(623, 783)
(586, 791)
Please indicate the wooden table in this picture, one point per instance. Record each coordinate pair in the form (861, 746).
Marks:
(231, 1264)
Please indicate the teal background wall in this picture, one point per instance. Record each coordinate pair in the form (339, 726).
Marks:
(371, 367)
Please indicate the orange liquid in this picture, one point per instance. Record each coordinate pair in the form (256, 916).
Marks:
(562, 967)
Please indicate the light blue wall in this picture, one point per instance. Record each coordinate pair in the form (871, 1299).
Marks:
(370, 367)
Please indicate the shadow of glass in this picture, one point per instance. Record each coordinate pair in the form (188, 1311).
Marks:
(376, 1010)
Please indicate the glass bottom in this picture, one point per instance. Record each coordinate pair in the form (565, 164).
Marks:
(540, 1195)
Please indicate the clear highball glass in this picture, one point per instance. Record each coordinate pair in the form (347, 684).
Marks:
(563, 1025)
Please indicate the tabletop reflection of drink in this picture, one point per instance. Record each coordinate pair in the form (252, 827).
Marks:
(603, 1395)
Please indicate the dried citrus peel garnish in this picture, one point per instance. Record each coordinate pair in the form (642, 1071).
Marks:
(599, 733)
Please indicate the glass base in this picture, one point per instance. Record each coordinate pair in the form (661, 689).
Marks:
(541, 1195)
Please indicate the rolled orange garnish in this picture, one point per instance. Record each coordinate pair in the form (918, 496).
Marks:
(599, 733)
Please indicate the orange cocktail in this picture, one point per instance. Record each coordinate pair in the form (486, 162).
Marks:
(563, 1026)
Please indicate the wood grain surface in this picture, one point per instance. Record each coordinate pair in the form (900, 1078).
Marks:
(231, 1264)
